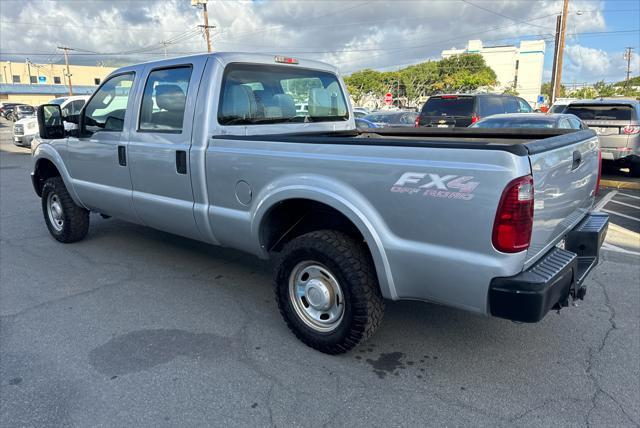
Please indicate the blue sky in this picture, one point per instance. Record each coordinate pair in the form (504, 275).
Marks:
(353, 34)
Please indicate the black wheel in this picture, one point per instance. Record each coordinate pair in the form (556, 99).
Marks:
(66, 221)
(634, 167)
(327, 291)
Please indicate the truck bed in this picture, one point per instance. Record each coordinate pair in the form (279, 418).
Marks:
(521, 142)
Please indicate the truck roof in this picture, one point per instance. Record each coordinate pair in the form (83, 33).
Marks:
(225, 58)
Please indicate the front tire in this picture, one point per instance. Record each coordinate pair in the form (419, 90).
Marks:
(327, 291)
(66, 221)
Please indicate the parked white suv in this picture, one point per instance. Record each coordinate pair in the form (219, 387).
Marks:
(26, 129)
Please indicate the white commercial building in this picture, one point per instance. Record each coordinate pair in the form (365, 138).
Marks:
(519, 67)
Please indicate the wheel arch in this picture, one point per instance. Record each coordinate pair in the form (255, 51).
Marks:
(302, 204)
(47, 163)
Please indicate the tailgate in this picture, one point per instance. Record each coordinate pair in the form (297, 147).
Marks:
(565, 174)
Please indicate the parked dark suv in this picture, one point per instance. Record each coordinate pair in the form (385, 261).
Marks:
(447, 111)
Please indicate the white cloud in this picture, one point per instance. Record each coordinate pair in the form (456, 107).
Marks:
(352, 34)
(584, 64)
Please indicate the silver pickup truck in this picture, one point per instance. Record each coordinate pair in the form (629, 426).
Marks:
(211, 147)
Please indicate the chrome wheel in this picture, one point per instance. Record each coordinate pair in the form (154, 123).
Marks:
(54, 211)
(316, 296)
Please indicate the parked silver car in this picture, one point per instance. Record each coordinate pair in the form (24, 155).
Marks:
(531, 120)
(617, 123)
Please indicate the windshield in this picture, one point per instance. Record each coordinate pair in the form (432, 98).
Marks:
(513, 123)
(457, 106)
(602, 111)
(25, 108)
(58, 101)
(263, 94)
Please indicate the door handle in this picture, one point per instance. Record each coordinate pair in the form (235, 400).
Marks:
(122, 155)
(577, 158)
(181, 162)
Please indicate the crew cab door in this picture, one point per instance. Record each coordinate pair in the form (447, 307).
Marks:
(97, 158)
(159, 147)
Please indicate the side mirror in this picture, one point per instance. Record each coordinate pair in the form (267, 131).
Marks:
(50, 124)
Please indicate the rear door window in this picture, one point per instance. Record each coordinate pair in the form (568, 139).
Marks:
(164, 100)
(490, 106)
(524, 106)
(511, 105)
(602, 112)
(449, 106)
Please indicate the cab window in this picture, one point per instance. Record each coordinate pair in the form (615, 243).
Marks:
(164, 100)
(106, 110)
(255, 94)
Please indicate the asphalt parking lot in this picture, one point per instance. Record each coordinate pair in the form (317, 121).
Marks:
(135, 327)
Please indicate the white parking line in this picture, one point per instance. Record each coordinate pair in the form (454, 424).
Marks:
(630, 196)
(621, 215)
(605, 200)
(625, 204)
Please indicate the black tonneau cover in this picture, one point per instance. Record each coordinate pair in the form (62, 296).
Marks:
(519, 141)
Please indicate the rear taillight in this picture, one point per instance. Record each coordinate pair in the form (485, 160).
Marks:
(417, 122)
(599, 170)
(474, 119)
(631, 130)
(514, 218)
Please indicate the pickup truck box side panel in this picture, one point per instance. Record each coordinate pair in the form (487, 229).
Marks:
(564, 182)
(416, 247)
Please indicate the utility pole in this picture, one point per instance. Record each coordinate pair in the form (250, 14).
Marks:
(10, 72)
(563, 32)
(628, 55)
(206, 26)
(28, 69)
(556, 46)
(66, 61)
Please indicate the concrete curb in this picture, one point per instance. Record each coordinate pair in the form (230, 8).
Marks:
(631, 185)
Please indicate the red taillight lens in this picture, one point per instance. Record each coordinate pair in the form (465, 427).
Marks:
(599, 171)
(631, 130)
(417, 123)
(514, 219)
(474, 119)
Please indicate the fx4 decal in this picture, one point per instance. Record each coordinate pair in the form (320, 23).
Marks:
(436, 186)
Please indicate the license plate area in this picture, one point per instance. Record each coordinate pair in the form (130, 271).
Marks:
(606, 130)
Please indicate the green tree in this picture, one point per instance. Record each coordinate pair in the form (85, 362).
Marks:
(465, 72)
(364, 82)
(546, 91)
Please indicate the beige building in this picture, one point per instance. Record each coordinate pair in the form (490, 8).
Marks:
(31, 83)
(520, 67)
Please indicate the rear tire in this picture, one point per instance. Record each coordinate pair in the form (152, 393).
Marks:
(66, 221)
(327, 291)
(634, 166)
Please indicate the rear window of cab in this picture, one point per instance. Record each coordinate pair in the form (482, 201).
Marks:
(255, 94)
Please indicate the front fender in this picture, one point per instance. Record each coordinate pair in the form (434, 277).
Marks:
(339, 196)
(47, 151)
